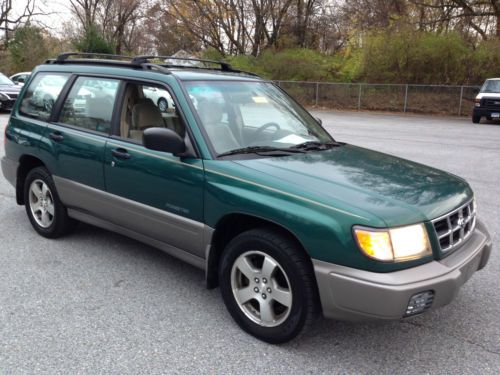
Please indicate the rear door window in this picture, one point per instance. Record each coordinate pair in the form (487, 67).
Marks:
(41, 95)
(89, 104)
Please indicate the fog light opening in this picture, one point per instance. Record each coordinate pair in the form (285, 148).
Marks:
(419, 303)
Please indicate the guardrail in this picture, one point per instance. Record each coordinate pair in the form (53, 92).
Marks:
(439, 99)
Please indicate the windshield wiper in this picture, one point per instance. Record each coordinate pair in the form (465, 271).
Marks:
(315, 145)
(267, 150)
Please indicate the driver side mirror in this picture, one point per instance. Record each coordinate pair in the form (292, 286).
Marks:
(163, 139)
(318, 120)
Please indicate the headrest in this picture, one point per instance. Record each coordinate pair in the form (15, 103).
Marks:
(210, 112)
(145, 114)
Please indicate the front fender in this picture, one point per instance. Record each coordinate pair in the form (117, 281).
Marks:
(324, 231)
(319, 229)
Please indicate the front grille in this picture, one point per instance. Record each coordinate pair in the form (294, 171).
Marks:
(12, 95)
(455, 227)
(491, 103)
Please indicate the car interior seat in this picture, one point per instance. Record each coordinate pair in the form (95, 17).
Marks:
(145, 114)
(131, 97)
(219, 133)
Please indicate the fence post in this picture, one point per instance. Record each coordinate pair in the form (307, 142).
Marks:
(359, 97)
(317, 94)
(406, 98)
(461, 97)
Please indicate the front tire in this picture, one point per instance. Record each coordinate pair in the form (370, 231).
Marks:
(476, 119)
(268, 285)
(46, 212)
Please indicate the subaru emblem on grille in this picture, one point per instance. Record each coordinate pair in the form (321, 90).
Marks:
(461, 222)
(456, 226)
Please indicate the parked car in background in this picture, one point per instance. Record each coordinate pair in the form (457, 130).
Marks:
(159, 97)
(20, 78)
(46, 92)
(487, 103)
(8, 92)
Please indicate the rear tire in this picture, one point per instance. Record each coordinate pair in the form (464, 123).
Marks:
(46, 212)
(476, 119)
(268, 285)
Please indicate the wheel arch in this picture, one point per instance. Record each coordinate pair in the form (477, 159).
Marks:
(26, 164)
(231, 225)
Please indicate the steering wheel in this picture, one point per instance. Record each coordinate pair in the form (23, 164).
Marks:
(260, 130)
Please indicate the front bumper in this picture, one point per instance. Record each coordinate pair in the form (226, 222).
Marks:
(484, 112)
(7, 104)
(351, 294)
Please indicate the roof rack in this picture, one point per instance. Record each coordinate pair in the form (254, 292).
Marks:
(224, 66)
(63, 57)
(142, 61)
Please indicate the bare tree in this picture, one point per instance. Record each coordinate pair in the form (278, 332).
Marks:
(9, 21)
(166, 34)
(478, 16)
(116, 20)
(124, 15)
(86, 11)
(232, 26)
(367, 14)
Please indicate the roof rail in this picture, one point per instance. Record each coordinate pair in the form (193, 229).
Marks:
(156, 67)
(224, 66)
(64, 56)
(142, 61)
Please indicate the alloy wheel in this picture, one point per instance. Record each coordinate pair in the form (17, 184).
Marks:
(41, 203)
(261, 288)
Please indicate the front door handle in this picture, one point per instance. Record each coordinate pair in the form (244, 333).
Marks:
(56, 136)
(120, 153)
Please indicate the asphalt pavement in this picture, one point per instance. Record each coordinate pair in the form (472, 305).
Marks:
(99, 303)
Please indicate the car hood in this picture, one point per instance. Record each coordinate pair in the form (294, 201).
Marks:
(10, 88)
(488, 94)
(396, 190)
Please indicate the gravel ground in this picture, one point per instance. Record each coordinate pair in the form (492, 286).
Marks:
(96, 302)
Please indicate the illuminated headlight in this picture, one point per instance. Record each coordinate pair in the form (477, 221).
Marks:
(403, 243)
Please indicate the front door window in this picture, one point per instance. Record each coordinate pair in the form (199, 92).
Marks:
(147, 106)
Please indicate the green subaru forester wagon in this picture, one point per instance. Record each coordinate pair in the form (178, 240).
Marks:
(239, 180)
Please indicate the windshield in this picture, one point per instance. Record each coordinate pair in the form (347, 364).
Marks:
(238, 115)
(4, 80)
(491, 85)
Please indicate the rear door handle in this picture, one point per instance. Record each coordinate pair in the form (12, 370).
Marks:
(120, 153)
(56, 136)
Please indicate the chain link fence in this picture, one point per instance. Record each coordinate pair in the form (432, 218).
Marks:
(438, 99)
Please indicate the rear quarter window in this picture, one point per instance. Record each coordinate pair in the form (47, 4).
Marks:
(41, 95)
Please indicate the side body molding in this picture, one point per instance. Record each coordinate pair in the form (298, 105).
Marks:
(178, 236)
